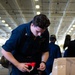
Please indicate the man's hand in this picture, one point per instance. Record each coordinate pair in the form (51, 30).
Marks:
(42, 66)
(23, 67)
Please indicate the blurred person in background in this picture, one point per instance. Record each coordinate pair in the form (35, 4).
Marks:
(54, 52)
(66, 44)
(70, 52)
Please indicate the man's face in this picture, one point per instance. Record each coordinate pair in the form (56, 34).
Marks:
(37, 31)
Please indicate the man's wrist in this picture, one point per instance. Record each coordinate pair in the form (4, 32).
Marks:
(43, 62)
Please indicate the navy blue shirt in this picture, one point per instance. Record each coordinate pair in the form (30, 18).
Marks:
(54, 52)
(22, 43)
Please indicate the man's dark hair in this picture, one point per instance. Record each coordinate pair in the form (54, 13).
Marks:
(52, 37)
(41, 20)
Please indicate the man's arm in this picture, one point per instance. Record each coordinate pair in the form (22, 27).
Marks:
(43, 61)
(45, 56)
(21, 66)
(9, 57)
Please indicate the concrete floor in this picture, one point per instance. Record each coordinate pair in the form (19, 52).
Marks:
(3, 71)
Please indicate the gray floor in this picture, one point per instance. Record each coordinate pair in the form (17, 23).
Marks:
(3, 71)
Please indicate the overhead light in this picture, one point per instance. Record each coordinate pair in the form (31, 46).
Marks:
(38, 13)
(73, 25)
(6, 25)
(71, 28)
(69, 31)
(37, 6)
(36, 0)
(10, 28)
(3, 21)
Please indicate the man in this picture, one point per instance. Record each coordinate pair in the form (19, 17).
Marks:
(54, 52)
(29, 43)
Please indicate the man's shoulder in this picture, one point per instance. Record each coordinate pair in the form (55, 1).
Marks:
(57, 45)
(22, 27)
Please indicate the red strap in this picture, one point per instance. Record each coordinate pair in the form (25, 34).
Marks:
(31, 64)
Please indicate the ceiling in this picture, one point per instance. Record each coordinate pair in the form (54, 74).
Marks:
(60, 12)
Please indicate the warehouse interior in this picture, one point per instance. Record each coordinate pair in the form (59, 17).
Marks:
(61, 14)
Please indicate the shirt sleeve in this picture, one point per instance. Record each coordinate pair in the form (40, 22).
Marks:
(11, 43)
